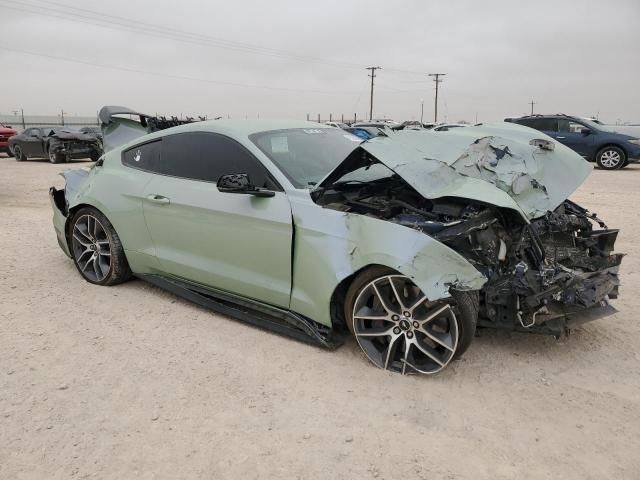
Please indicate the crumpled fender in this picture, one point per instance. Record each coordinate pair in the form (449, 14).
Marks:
(330, 245)
(75, 183)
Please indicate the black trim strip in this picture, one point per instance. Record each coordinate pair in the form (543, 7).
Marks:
(283, 322)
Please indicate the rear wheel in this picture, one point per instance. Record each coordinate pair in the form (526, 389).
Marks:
(96, 248)
(611, 158)
(18, 153)
(401, 330)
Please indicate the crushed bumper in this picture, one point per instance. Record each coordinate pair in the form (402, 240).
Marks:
(58, 204)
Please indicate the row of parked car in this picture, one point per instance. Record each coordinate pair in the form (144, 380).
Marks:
(596, 142)
(593, 140)
(57, 143)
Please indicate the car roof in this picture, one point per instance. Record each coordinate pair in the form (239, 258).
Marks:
(238, 129)
(551, 115)
(243, 127)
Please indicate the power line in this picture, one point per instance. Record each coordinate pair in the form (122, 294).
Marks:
(91, 17)
(372, 75)
(438, 81)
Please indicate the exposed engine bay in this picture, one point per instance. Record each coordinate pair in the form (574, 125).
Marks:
(540, 274)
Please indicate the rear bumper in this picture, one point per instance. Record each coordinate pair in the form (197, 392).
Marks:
(58, 204)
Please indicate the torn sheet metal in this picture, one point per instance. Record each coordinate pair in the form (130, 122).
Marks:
(331, 245)
(495, 164)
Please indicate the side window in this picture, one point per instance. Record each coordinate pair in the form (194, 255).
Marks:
(527, 122)
(545, 124)
(30, 131)
(568, 126)
(144, 157)
(207, 156)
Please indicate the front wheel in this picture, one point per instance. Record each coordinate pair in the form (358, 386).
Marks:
(56, 157)
(611, 158)
(18, 153)
(400, 329)
(96, 248)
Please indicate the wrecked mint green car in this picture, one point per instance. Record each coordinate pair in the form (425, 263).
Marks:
(408, 241)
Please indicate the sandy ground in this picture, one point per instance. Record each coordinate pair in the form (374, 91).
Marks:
(130, 382)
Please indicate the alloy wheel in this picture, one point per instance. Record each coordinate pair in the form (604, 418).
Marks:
(610, 158)
(399, 329)
(91, 248)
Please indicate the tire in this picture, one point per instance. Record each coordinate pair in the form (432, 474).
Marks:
(18, 153)
(625, 164)
(96, 248)
(56, 157)
(611, 158)
(412, 330)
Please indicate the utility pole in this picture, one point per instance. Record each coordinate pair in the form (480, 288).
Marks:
(22, 116)
(437, 80)
(62, 116)
(532, 103)
(372, 75)
(421, 112)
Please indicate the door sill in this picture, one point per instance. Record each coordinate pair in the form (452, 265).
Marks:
(275, 319)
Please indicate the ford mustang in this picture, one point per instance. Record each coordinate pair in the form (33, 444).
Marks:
(408, 241)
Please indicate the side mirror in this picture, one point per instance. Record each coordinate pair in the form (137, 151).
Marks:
(585, 131)
(240, 183)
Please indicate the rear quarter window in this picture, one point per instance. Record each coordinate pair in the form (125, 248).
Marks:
(144, 157)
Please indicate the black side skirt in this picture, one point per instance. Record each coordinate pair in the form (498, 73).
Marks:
(281, 321)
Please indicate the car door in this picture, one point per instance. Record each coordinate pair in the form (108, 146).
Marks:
(30, 142)
(570, 133)
(238, 243)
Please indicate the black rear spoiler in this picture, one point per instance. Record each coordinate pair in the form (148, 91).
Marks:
(117, 131)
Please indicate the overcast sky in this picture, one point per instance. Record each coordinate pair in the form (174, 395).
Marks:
(282, 58)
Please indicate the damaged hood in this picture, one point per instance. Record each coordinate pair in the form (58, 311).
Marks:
(505, 165)
(68, 134)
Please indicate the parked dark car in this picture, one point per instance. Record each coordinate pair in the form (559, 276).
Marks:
(595, 142)
(58, 144)
(5, 132)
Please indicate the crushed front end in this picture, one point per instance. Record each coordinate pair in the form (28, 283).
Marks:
(69, 147)
(543, 276)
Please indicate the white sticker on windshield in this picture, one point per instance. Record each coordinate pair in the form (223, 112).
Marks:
(353, 138)
(279, 145)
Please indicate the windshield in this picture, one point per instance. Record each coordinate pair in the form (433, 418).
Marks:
(306, 155)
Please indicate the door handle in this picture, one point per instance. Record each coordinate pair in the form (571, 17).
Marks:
(560, 137)
(159, 199)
